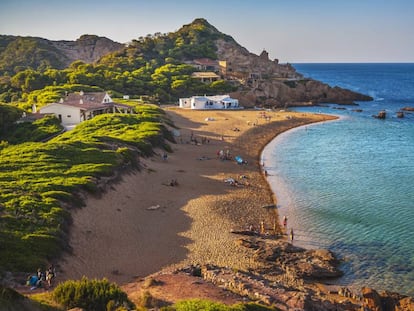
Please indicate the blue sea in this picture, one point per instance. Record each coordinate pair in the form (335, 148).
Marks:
(348, 185)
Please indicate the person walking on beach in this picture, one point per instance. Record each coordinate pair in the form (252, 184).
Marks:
(285, 222)
(291, 235)
(262, 227)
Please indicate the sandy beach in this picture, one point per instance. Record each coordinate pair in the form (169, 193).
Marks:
(141, 224)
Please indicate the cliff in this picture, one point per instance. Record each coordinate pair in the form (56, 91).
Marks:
(87, 48)
(17, 53)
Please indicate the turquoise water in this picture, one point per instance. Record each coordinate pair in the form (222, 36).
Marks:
(348, 185)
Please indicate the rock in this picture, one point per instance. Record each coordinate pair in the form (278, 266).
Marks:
(372, 299)
(397, 302)
(400, 114)
(405, 304)
(296, 261)
(381, 115)
(408, 108)
(88, 48)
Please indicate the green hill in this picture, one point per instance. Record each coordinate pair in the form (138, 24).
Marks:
(153, 66)
(19, 53)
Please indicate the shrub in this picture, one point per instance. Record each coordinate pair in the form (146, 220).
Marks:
(91, 295)
(9, 114)
(199, 304)
(206, 305)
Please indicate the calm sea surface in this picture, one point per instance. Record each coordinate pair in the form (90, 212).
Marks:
(348, 185)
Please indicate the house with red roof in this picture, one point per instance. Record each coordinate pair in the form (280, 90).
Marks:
(75, 108)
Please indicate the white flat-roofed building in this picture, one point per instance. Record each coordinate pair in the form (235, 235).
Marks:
(209, 102)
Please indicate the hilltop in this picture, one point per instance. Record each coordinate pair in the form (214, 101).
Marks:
(159, 66)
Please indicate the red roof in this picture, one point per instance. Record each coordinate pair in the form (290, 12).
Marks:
(89, 101)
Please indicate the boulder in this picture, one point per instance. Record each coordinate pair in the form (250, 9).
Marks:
(397, 302)
(372, 299)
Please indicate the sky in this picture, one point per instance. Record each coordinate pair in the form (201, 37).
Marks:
(294, 31)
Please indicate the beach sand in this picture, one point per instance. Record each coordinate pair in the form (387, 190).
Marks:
(141, 224)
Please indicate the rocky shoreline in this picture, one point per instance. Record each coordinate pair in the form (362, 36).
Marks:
(289, 279)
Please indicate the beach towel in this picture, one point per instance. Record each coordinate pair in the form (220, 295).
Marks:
(239, 159)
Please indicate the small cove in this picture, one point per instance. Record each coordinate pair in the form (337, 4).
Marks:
(347, 185)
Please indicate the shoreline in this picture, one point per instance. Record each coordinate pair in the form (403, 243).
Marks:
(141, 226)
(278, 187)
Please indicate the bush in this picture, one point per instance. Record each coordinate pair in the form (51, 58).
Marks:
(206, 305)
(93, 295)
(198, 304)
(8, 115)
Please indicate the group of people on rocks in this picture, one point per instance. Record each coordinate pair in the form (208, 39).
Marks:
(42, 279)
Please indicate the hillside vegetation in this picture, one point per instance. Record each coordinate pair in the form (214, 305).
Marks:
(18, 53)
(152, 66)
(39, 181)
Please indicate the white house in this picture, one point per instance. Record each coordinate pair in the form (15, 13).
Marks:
(78, 107)
(209, 102)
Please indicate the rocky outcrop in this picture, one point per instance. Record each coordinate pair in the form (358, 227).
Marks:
(372, 299)
(385, 301)
(289, 291)
(18, 52)
(266, 82)
(303, 92)
(250, 68)
(88, 48)
(284, 258)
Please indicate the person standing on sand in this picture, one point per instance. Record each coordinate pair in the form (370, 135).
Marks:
(50, 274)
(291, 235)
(262, 227)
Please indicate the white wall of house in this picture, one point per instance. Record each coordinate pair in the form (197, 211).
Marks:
(67, 114)
(184, 102)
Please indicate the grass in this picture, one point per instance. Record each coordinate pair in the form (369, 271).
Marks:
(31, 132)
(38, 179)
